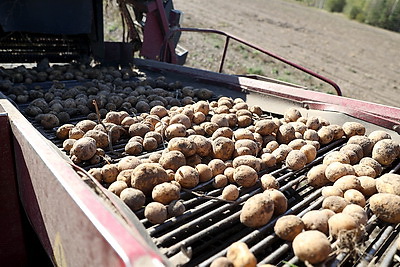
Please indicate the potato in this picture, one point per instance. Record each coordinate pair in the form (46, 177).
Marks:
(245, 176)
(389, 183)
(316, 220)
(199, 117)
(331, 191)
(184, 145)
(248, 160)
(85, 125)
(386, 207)
(96, 173)
(325, 135)
(240, 255)
(133, 148)
(138, 129)
(176, 208)
(338, 132)
(109, 173)
(385, 151)
(230, 192)
(334, 203)
(68, 144)
(357, 212)
(181, 119)
(209, 127)
(63, 131)
(220, 181)
(269, 182)
(100, 137)
(221, 262)
(265, 127)
(364, 142)
(364, 170)
(355, 197)
(378, 135)
(313, 123)
(280, 201)
(172, 160)
(147, 175)
(201, 106)
(217, 166)
(205, 172)
(316, 176)
(348, 182)
(297, 144)
(372, 163)
(288, 227)
(133, 198)
(244, 121)
(165, 193)
(311, 246)
(187, 177)
(368, 185)
(285, 134)
(336, 156)
(335, 170)
(281, 152)
(155, 212)
(353, 128)
(310, 135)
(220, 119)
(125, 176)
(203, 145)
(342, 224)
(224, 132)
(257, 211)
(175, 130)
(246, 147)
(117, 187)
(223, 148)
(271, 146)
(296, 160)
(84, 148)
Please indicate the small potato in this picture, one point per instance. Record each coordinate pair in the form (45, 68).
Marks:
(133, 148)
(354, 152)
(285, 134)
(348, 182)
(85, 125)
(292, 114)
(220, 119)
(223, 148)
(63, 131)
(389, 183)
(310, 135)
(364, 142)
(336, 156)
(334, 203)
(217, 166)
(156, 212)
(165, 193)
(181, 119)
(257, 211)
(268, 159)
(84, 148)
(240, 255)
(220, 181)
(245, 176)
(271, 146)
(280, 201)
(316, 220)
(364, 170)
(175, 130)
(311, 246)
(172, 160)
(100, 137)
(386, 207)
(310, 151)
(355, 197)
(265, 127)
(133, 198)
(269, 182)
(184, 145)
(117, 187)
(335, 170)
(249, 146)
(288, 227)
(49, 121)
(247, 160)
(243, 133)
(343, 224)
(138, 129)
(205, 172)
(385, 151)
(128, 162)
(224, 132)
(357, 212)
(244, 121)
(96, 173)
(176, 208)
(316, 176)
(368, 185)
(109, 173)
(325, 134)
(378, 135)
(125, 176)
(230, 192)
(296, 160)
(331, 191)
(281, 152)
(229, 171)
(353, 128)
(313, 123)
(187, 177)
(68, 144)
(338, 132)
(203, 145)
(372, 163)
(147, 175)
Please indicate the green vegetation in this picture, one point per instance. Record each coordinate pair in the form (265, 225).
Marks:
(380, 13)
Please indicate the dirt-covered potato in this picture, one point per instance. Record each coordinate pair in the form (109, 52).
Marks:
(338, 132)
(364, 170)
(158, 110)
(296, 160)
(84, 148)
(331, 191)
(355, 197)
(280, 201)
(230, 192)
(386, 207)
(297, 143)
(266, 127)
(316, 176)
(325, 134)
(165, 193)
(281, 152)
(172, 160)
(246, 147)
(388, 183)
(184, 145)
(357, 212)
(313, 123)
(257, 211)
(285, 134)
(270, 146)
(100, 137)
(364, 142)
(348, 182)
(133, 148)
(109, 173)
(335, 170)
(372, 163)
(269, 182)
(156, 212)
(316, 220)
(312, 246)
(288, 227)
(311, 135)
(268, 160)
(203, 145)
(205, 172)
(220, 181)
(378, 135)
(96, 173)
(223, 148)
(175, 130)
(245, 176)
(117, 187)
(133, 198)
(240, 255)
(187, 177)
(224, 132)
(334, 203)
(217, 166)
(125, 176)
(353, 128)
(343, 224)
(147, 175)
(292, 114)
(176, 208)
(336, 156)
(385, 151)
(86, 125)
(368, 185)
(248, 160)
(68, 144)
(138, 129)
(63, 131)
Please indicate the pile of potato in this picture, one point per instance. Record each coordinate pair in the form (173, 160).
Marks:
(229, 143)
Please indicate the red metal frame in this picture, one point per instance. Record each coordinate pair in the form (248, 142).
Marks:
(229, 36)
